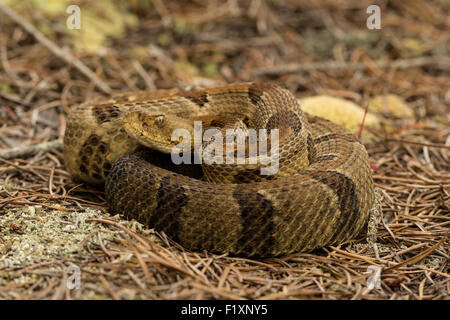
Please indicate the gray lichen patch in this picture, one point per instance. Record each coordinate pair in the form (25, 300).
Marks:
(34, 235)
(374, 215)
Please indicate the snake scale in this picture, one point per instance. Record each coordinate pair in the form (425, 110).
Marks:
(321, 195)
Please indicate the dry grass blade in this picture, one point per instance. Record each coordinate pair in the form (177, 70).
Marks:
(52, 227)
(418, 257)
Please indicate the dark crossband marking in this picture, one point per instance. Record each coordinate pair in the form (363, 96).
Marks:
(347, 137)
(170, 201)
(91, 141)
(245, 176)
(198, 97)
(348, 202)
(105, 113)
(246, 121)
(284, 119)
(326, 157)
(257, 221)
(255, 93)
(83, 169)
(309, 145)
(90, 159)
(251, 175)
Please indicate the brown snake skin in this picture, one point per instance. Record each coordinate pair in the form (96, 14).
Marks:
(321, 195)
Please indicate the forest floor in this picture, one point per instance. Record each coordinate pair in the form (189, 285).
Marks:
(52, 229)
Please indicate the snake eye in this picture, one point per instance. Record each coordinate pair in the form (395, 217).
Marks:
(159, 121)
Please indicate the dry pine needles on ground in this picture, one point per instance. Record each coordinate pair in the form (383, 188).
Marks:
(49, 225)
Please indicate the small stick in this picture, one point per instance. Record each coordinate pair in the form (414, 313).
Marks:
(363, 121)
(27, 151)
(148, 80)
(108, 288)
(62, 54)
(423, 144)
(352, 66)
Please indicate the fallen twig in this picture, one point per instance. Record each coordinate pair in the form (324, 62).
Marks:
(352, 66)
(62, 54)
(31, 150)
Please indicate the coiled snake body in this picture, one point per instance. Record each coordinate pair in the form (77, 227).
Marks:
(320, 196)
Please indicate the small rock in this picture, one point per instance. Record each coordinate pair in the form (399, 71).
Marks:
(391, 105)
(340, 111)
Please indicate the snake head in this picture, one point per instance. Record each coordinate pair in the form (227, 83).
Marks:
(154, 129)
